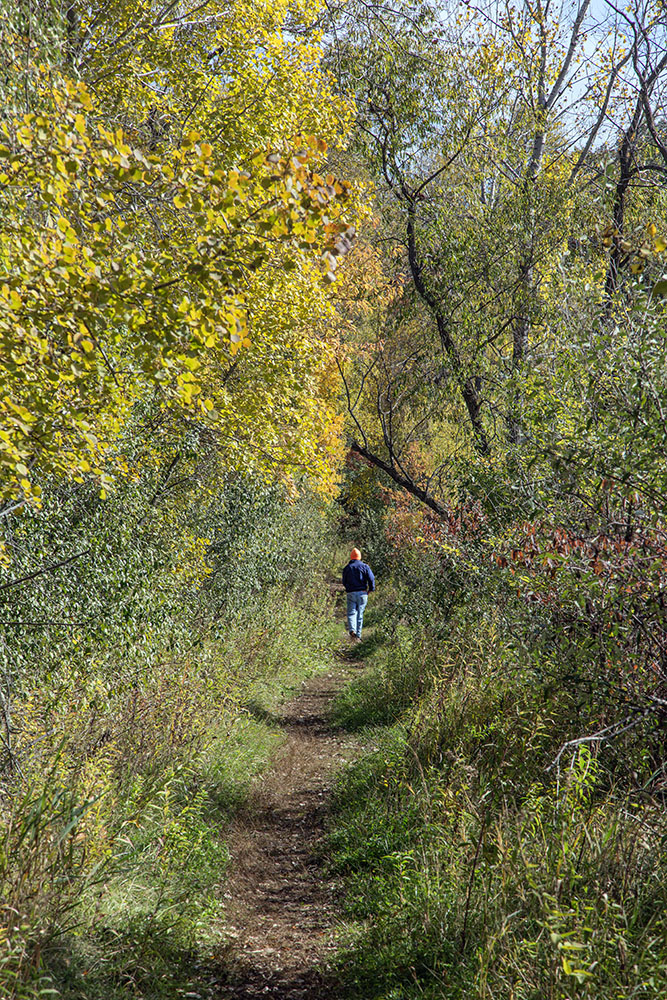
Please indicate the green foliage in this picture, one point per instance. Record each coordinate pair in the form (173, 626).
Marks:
(137, 696)
(477, 861)
(259, 540)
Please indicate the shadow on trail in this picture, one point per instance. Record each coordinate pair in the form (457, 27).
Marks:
(305, 986)
(316, 723)
(369, 644)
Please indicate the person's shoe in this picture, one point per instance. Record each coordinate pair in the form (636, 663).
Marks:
(353, 635)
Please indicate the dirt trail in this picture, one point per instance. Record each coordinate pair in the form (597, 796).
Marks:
(282, 906)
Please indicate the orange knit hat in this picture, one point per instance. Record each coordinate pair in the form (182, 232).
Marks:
(355, 554)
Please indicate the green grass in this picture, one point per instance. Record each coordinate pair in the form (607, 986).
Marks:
(155, 925)
(469, 872)
(153, 928)
(385, 689)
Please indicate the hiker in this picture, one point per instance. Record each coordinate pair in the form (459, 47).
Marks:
(359, 582)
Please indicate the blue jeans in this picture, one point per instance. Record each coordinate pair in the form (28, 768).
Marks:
(356, 602)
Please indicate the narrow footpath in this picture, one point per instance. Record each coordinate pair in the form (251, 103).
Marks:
(281, 906)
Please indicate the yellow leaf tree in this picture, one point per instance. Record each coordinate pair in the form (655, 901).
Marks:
(168, 224)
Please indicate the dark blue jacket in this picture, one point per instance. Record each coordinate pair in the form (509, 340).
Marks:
(358, 576)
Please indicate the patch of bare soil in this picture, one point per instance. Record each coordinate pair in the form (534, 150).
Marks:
(282, 906)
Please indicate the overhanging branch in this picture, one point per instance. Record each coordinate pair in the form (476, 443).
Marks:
(402, 480)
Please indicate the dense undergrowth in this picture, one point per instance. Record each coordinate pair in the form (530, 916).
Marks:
(480, 860)
(136, 714)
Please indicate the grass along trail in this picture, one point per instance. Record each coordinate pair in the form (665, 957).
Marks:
(281, 907)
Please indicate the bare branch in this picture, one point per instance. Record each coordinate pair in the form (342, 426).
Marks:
(45, 569)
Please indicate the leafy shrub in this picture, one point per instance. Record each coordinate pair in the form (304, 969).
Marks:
(132, 733)
(478, 862)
